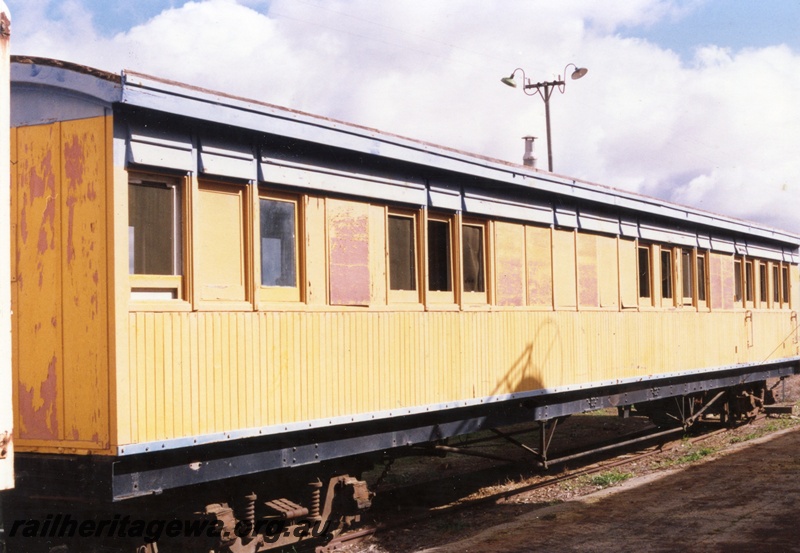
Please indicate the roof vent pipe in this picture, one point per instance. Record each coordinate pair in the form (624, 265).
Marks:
(529, 159)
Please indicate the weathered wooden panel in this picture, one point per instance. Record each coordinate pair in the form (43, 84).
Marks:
(85, 277)
(510, 263)
(628, 273)
(539, 266)
(348, 245)
(564, 275)
(61, 285)
(588, 288)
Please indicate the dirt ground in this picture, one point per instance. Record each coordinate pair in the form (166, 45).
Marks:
(736, 492)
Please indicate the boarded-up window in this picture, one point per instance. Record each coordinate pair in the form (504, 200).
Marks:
(628, 276)
(440, 262)
(220, 245)
(348, 244)
(608, 271)
(564, 283)
(588, 295)
(473, 258)
(539, 266)
(402, 253)
(510, 263)
(728, 282)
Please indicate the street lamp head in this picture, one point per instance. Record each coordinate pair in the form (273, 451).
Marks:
(579, 72)
(509, 81)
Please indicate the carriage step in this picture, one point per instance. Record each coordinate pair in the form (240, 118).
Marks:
(779, 409)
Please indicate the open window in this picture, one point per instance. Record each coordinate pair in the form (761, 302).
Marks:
(440, 260)
(473, 263)
(402, 251)
(278, 247)
(155, 237)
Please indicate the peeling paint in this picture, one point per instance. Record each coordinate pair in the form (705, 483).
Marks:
(39, 413)
(349, 253)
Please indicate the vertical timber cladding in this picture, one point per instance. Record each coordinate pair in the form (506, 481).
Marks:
(60, 285)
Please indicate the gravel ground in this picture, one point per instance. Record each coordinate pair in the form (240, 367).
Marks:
(737, 491)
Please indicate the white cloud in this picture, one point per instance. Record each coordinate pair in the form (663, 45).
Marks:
(718, 133)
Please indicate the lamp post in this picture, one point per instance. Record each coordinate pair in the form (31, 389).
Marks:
(545, 90)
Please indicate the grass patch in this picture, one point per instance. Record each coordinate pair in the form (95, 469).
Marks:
(689, 457)
(609, 478)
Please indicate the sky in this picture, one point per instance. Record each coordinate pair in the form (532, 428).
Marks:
(691, 101)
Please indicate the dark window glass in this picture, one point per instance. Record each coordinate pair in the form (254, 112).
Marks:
(762, 277)
(748, 281)
(776, 286)
(439, 264)
(473, 258)
(687, 274)
(666, 274)
(154, 228)
(644, 272)
(785, 284)
(402, 254)
(737, 280)
(701, 278)
(278, 243)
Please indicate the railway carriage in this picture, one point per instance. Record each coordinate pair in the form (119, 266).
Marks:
(215, 299)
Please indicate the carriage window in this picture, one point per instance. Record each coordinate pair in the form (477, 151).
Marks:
(785, 285)
(687, 276)
(666, 274)
(762, 283)
(278, 239)
(701, 277)
(402, 253)
(278, 245)
(473, 258)
(644, 272)
(748, 281)
(439, 258)
(155, 237)
(776, 288)
(737, 280)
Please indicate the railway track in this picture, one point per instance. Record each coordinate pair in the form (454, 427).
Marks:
(621, 458)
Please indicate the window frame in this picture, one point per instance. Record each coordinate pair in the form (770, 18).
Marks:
(702, 282)
(153, 289)
(474, 297)
(738, 282)
(279, 294)
(668, 297)
(688, 276)
(446, 297)
(763, 285)
(646, 248)
(404, 296)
